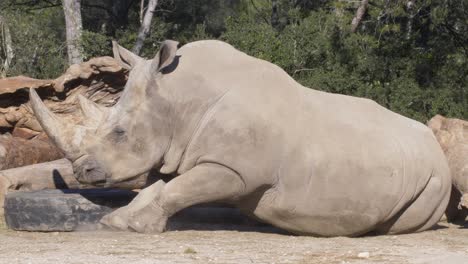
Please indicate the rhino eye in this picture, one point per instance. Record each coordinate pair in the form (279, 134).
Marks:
(118, 131)
(118, 134)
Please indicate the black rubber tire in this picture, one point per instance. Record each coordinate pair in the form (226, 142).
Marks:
(62, 210)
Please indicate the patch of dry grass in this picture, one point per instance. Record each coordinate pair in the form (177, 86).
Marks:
(190, 250)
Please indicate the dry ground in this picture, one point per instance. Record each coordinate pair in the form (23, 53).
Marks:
(230, 241)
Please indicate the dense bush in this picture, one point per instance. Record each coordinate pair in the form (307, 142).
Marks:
(418, 73)
(39, 45)
(412, 60)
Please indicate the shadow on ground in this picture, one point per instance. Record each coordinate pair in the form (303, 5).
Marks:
(204, 218)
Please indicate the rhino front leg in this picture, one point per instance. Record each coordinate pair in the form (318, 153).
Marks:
(204, 183)
(118, 219)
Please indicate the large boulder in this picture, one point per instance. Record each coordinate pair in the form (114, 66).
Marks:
(452, 135)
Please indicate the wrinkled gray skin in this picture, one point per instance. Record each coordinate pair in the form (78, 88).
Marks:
(238, 129)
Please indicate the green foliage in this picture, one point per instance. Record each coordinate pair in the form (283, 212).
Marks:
(412, 60)
(38, 42)
(418, 71)
(190, 250)
(257, 39)
(95, 44)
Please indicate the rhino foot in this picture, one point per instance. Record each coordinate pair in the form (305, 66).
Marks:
(120, 218)
(116, 220)
(150, 219)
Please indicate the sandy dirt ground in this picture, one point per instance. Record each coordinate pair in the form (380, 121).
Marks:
(230, 241)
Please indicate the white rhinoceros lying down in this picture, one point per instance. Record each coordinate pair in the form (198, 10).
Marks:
(240, 130)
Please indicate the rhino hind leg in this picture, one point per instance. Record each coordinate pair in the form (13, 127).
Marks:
(204, 183)
(424, 212)
(279, 209)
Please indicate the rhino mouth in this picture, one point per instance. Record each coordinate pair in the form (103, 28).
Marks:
(88, 171)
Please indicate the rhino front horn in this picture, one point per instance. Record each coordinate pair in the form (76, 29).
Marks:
(58, 131)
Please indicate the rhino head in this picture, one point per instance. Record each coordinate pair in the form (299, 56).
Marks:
(124, 142)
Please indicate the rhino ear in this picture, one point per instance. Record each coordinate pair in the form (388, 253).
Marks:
(165, 56)
(126, 58)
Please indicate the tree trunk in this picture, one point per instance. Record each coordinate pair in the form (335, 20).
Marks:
(409, 24)
(142, 10)
(145, 26)
(17, 152)
(7, 46)
(274, 14)
(74, 26)
(361, 11)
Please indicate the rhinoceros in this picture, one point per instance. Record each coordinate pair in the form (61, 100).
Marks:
(452, 135)
(240, 130)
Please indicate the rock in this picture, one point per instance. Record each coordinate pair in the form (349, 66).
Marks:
(13, 84)
(363, 255)
(62, 210)
(25, 133)
(452, 135)
(464, 201)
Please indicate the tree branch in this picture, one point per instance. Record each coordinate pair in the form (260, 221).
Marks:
(144, 30)
(361, 11)
(43, 7)
(74, 27)
(142, 10)
(8, 46)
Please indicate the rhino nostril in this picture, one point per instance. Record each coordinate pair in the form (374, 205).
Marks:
(85, 172)
(89, 171)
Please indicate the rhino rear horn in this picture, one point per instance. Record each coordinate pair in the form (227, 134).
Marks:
(58, 131)
(92, 112)
(126, 58)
